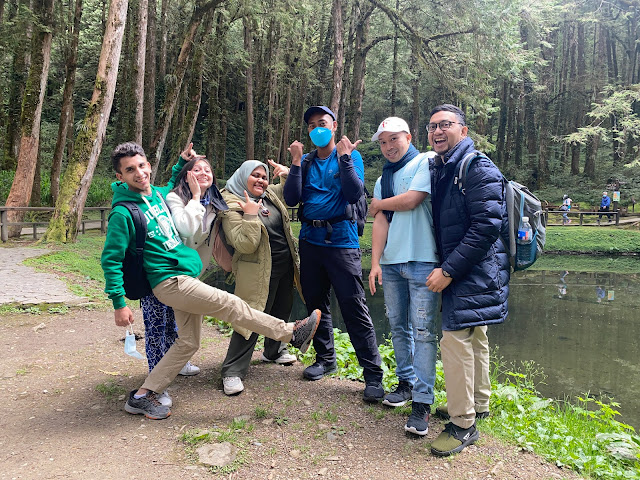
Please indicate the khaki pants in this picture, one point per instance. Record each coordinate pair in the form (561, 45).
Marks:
(465, 360)
(191, 299)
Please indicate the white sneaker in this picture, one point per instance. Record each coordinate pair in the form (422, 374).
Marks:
(189, 369)
(284, 359)
(232, 385)
(165, 399)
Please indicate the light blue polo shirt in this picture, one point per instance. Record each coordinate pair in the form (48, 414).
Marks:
(411, 236)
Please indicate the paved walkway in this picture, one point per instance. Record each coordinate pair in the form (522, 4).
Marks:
(23, 285)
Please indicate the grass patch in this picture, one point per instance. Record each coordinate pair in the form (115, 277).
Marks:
(111, 389)
(592, 240)
(588, 263)
(80, 260)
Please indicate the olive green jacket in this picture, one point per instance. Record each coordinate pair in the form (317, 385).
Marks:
(251, 264)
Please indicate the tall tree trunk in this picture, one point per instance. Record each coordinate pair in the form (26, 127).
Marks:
(18, 76)
(338, 56)
(271, 146)
(67, 217)
(394, 71)
(359, 70)
(414, 126)
(162, 67)
(149, 115)
(34, 92)
(502, 124)
(250, 129)
(139, 68)
(66, 115)
(172, 94)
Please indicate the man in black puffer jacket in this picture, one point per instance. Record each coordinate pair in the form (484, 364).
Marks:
(473, 275)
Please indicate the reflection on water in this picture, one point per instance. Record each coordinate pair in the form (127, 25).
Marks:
(581, 328)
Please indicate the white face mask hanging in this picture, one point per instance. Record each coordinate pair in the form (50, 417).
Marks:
(130, 344)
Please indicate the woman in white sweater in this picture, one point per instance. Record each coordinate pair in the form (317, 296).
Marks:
(194, 204)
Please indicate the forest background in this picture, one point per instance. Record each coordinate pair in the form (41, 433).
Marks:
(551, 88)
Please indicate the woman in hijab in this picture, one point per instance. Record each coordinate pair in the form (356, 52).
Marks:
(265, 262)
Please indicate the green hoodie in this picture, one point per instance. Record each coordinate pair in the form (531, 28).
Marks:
(165, 256)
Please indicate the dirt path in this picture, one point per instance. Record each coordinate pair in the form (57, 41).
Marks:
(63, 379)
(55, 424)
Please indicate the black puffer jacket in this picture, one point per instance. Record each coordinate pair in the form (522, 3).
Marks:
(468, 228)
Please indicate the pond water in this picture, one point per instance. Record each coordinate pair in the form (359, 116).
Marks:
(582, 329)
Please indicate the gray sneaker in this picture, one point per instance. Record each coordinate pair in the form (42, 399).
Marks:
(304, 330)
(149, 406)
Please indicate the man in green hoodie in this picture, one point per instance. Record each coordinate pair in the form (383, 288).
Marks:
(172, 269)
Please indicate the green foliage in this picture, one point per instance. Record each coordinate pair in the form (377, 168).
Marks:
(592, 240)
(111, 389)
(581, 434)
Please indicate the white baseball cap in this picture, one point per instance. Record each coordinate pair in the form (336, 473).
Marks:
(391, 124)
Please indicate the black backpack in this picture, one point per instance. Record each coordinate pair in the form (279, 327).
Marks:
(356, 212)
(135, 280)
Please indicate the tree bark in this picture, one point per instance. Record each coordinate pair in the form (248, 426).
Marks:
(162, 68)
(250, 129)
(66, 115)
(149, 115)
(34, 92)
(139, 69)
(173, 92)
(338, 57)
(67, 217)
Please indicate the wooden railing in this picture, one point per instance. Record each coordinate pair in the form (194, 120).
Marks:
(5, 224)
(581, 214)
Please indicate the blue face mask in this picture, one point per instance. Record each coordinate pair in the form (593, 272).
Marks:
(320, 136)
(130, 344)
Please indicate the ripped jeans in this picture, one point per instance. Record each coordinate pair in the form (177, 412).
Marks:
(412, 310)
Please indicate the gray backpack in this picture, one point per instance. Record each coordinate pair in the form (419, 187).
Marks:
(520, 203)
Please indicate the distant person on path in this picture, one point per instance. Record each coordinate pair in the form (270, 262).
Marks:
(265, 262)
(403, 254)
(329, 245)
(473, 275)
(566, 207)
(605, 203)
(171, 268)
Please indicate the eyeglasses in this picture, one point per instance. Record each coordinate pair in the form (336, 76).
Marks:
(444, 125)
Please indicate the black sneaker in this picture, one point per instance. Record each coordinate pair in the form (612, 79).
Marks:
(319, 370)
(418, 422)
(149, 406)
(443, 412)
(453, 439)
(373, 392)
(400, 396)
(304, 330)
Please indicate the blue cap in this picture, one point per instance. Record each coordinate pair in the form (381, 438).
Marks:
(317, 109)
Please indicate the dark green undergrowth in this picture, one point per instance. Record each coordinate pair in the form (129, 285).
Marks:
(579, 433)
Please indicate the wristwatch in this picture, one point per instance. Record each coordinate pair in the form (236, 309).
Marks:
(446, 274)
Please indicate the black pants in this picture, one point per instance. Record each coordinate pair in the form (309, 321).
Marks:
(320, 269)
(279, 304)
(604, 209)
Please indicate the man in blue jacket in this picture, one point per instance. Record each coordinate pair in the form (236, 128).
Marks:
(605, 203)
(473, 275)
(329, 245)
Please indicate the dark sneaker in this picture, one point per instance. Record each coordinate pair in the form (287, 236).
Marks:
(149, 406)
(400, 396)
(443, 412)
(418, 422)
(373, 392)
(304, 330)
(319, 370)
(453, 439)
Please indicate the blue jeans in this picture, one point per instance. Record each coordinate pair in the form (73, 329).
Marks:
(412, 310)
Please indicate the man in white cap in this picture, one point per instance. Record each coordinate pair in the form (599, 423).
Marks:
(402, 257)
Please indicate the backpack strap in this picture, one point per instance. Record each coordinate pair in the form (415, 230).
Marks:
(349, 213)
(139, 224)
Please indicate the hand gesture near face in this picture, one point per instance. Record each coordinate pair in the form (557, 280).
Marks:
(194, 186)
(249, 206)
(278, 170)
(345, 147)
(296, 149)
